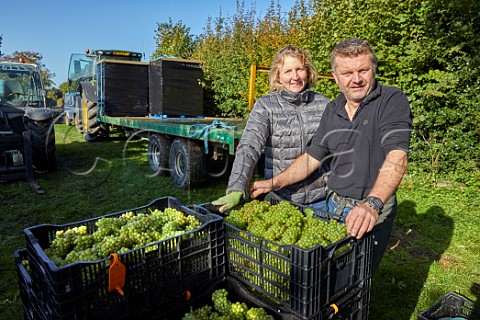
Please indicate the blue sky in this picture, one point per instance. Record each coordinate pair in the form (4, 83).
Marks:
(57, 28)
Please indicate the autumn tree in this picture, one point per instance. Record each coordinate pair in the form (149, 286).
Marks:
(63, 87)
(32, 57)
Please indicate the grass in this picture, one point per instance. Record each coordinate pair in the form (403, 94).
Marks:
(434, 248)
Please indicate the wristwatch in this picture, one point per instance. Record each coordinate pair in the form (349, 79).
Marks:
(374, 203)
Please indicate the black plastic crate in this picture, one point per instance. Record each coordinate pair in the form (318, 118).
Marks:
(174, 87)
(354, 305)
(236, 292)
(300, 281)
(31, 309)
(451, 305)
(156, 274)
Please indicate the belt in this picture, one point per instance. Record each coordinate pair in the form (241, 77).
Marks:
(349, 202)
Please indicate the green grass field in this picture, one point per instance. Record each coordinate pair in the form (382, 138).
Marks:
(434, 249)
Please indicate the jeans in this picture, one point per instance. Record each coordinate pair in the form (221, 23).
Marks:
(329, 205)
(381, 231)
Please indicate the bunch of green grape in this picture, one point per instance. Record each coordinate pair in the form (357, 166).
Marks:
(118, 235)
(224, 309)
(285, 224)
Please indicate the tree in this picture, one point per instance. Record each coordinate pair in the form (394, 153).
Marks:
(430, 49)
(173, 40)
(229, 46)
(63, 87)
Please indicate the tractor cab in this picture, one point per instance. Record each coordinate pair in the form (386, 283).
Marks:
(82, 84)
(83, 65)
(27, 135)
(21, 85)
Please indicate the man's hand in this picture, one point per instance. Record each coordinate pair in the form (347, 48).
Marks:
(360, 220)
(260, 187)
(299, 170)
(229, 201)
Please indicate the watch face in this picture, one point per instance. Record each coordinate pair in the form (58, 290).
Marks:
(375, 203)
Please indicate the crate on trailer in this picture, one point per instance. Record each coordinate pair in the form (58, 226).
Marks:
(297, 280)
(452, 305)
(156, 274)
(175, 87)
(122, 88)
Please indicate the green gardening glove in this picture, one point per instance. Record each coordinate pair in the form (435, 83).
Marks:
(229, 201)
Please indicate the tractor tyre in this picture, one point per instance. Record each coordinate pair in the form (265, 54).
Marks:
(158, 150)
(42, 135)
(187, 163)
(77, 120)
(94, 129)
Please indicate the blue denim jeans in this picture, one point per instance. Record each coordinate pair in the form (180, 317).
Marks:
(329, 205)
(382, 230)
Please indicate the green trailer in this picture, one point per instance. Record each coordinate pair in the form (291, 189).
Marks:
(161, 101)
(187, 149)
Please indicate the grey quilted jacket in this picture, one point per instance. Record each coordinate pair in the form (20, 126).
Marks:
(281, 124)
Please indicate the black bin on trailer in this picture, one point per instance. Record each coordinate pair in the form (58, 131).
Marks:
(123, 88)
(174, 88)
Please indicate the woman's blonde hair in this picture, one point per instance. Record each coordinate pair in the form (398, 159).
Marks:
(295, 52)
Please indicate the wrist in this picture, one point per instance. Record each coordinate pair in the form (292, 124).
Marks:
(275, 183)
(375, 203)
(236, 193)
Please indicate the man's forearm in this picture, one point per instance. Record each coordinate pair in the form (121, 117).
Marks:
(390, 175)
(299, 170)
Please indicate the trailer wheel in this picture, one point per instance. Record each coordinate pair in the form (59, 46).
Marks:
(158, 148)
(187, 163)
(94, 130)
(43, 144)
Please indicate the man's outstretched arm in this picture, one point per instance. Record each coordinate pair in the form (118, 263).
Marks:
(300, 169)
(362, 218)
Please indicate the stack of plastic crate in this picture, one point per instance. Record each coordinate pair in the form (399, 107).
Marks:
(158, 276)
(314, 283)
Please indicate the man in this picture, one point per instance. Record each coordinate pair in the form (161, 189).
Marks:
(365, 133)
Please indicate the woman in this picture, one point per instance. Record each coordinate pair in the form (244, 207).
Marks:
(281, 124)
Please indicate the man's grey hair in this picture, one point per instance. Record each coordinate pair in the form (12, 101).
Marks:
(353, 47)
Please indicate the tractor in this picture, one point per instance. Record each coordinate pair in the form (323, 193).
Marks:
(82, 77)
(27, 136)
